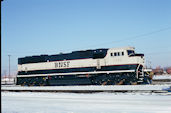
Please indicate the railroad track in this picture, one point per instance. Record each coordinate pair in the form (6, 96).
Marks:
(91, 89)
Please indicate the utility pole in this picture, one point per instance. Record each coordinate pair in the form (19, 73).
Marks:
(5, 76)
(9, 68)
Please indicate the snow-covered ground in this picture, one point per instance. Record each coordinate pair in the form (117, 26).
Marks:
(161, 77)
(29, 102)
(5, 80)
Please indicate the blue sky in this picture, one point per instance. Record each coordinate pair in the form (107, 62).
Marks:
(34, 27)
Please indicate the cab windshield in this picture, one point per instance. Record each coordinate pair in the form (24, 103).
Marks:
(130, 52)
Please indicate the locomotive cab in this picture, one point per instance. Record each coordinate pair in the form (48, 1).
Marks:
(122, 56)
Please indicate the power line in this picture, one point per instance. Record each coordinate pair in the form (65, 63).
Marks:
(159, 53)
(134, 37)
(128, 38)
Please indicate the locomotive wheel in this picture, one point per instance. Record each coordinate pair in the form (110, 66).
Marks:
(23, 84)
(121, 82)
(133, 83)
(41, 84)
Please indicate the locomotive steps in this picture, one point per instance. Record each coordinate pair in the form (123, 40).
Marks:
(90, 89)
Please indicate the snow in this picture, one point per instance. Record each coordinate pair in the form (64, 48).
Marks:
(29, 102)
(8, 80)
(161, 77)
(105, 88)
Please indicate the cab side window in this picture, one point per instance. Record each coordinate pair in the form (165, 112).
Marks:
(117, 54)
(122, 53)
(111, 54)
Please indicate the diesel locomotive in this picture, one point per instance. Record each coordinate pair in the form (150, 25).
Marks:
(112, 66)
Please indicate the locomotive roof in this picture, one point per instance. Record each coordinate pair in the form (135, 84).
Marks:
(123, 48)
(80, 51)
(82, 54)
(61, 56)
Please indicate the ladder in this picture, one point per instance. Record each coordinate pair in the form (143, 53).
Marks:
(140, 73)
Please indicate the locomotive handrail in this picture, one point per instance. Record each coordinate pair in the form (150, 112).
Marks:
(94, 72)
(137, 70)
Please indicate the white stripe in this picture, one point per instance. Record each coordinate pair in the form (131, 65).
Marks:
(77, 73)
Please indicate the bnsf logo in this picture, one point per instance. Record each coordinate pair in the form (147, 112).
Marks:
(62, 64)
